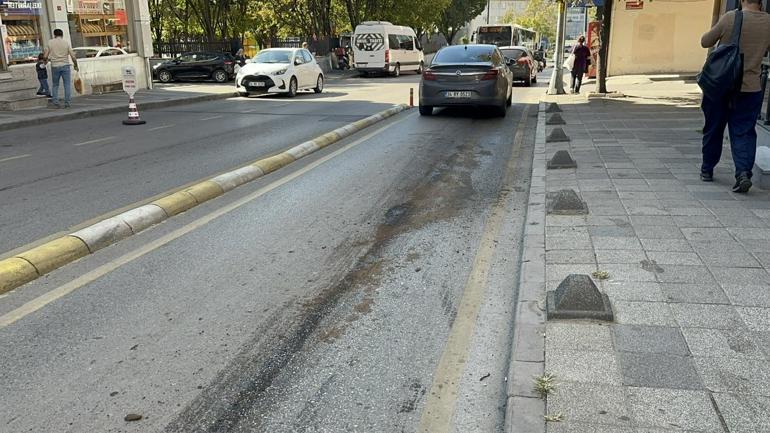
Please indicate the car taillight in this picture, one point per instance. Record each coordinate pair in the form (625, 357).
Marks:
(491, 74)
(228, 63)
(429, 76)
(387, 56)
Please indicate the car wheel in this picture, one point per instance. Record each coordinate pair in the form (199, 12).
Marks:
(165, 76)
(528, 81)
(426, 110)
(219, 76)
(509, 101)
(420, 68)
(319, 87)
(397, 70)
(292, 87)
(534, 79)
(244, 94)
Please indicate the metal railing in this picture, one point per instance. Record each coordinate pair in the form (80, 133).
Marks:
(173, 49)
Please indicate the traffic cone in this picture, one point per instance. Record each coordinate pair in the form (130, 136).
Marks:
(133, 114)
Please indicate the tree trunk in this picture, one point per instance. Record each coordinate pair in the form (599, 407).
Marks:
(604, 49)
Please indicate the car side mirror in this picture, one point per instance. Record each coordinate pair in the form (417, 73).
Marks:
(297, 62)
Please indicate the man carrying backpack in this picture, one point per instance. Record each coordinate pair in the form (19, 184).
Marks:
(738, 108)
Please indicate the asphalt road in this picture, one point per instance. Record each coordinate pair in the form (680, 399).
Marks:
(333, 295)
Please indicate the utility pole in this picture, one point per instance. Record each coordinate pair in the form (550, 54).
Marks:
(489, 7)
(557, 79)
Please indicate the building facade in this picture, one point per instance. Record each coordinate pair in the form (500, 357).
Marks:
(26, 27)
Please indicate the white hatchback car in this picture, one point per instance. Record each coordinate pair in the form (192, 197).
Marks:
(280, 70)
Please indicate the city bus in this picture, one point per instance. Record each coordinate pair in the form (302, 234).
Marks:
(507, 35)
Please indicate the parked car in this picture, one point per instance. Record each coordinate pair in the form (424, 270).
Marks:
(466, 75)
(90, 52)
(521, 61)
(219, 67)
(380, 47)
(280, 70)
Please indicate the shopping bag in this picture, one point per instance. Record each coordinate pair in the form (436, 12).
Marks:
(570, 62)
(77, 80)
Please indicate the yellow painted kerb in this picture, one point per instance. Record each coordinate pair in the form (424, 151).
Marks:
(14, 272)
(55, 254)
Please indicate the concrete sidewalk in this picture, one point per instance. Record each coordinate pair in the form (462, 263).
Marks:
(688, 262)
(163, 95)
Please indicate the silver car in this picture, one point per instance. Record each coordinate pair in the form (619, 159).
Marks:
(466, 75)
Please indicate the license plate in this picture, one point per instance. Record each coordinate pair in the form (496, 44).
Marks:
(458, 94)
(257, 84)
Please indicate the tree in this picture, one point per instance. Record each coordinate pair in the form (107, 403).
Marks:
(605, 15)
(457, 14)
(539, 15)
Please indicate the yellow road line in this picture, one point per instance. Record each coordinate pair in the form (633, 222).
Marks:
(98, 140)
(45, 299)
(11, 158)
(440, 405)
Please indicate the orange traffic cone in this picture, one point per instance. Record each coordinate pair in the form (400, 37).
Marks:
(133, 114)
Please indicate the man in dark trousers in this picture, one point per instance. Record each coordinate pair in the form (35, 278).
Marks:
(582, 53)
(739, 110)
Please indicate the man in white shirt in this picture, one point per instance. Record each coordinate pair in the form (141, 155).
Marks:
(59, 53)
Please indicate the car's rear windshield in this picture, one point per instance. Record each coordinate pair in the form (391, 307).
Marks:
(274, 56)
(514, 54)
(464, 54)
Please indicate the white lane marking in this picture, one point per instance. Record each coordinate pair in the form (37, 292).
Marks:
(98, 140)
(282, 105)
(11, 158)
(89, 277)
(161, 127)
(212, 117)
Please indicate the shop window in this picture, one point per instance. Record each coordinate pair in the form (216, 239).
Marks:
(102, 23)
(22, 41)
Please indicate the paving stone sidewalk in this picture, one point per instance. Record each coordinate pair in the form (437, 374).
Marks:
(688, 278)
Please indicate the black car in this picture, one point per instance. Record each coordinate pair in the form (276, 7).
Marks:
(219, 67)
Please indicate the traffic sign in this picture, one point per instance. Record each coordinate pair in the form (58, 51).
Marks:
(129, 80)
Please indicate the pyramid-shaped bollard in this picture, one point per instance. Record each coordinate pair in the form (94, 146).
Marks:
(553, 108)
(557, 136)
(565, 202)
(561, 159)
(577, 297)
(555, 119)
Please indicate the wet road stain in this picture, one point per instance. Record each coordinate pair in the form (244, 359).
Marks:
(416, 391)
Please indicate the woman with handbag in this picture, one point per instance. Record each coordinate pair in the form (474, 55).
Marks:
(582, 53)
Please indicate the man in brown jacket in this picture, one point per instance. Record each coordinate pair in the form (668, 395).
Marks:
(741, 110)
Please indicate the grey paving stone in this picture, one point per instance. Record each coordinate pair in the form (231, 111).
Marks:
(756, 245)
(742, 221)
(643, 313)
(560, 272)
(582, 336)
(724, 246)
(685, 274)
(706, 233)
(675, 258)
(590, 403)
(565, 220)
(521, 383)
(735, 375)
(609, 210)
(741, 276)
(649, 339)
(739, 258)
(609, 220)
(579, 427)
(748, 295)
(744, 233)
(697, 221)
(632, 291)
(607, 243)
(673, 408)
(694, 293)
(656, 370)
(666, 245)
(620, 256)
(707, 316)
(756, 318)
(653, 220)
(658, 232)
(627, 272)
(570, 257)
(567, 243)
(583, 366)
(577, 231)
(635, 209)
(722, 342)
(744, 413)
(612, 231)
(688, 211)
(762, 340)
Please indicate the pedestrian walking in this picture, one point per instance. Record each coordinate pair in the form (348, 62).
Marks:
(59, 53)
(42, 75)
(738, 109)
(582, 53)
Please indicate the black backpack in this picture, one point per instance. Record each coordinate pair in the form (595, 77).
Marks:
(722, 74)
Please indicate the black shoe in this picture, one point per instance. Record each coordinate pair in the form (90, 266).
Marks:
(742, 183)
(706, 176)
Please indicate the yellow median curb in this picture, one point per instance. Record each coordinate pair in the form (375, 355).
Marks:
(29, 265)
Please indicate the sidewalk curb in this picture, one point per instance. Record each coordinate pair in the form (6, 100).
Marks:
(36, 262)
(75, 114)
(525, 410)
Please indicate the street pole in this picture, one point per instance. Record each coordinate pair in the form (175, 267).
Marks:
(489, 6)
(557, 79)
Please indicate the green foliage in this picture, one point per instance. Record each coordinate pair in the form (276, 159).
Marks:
(457, 14)
(540, 15)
